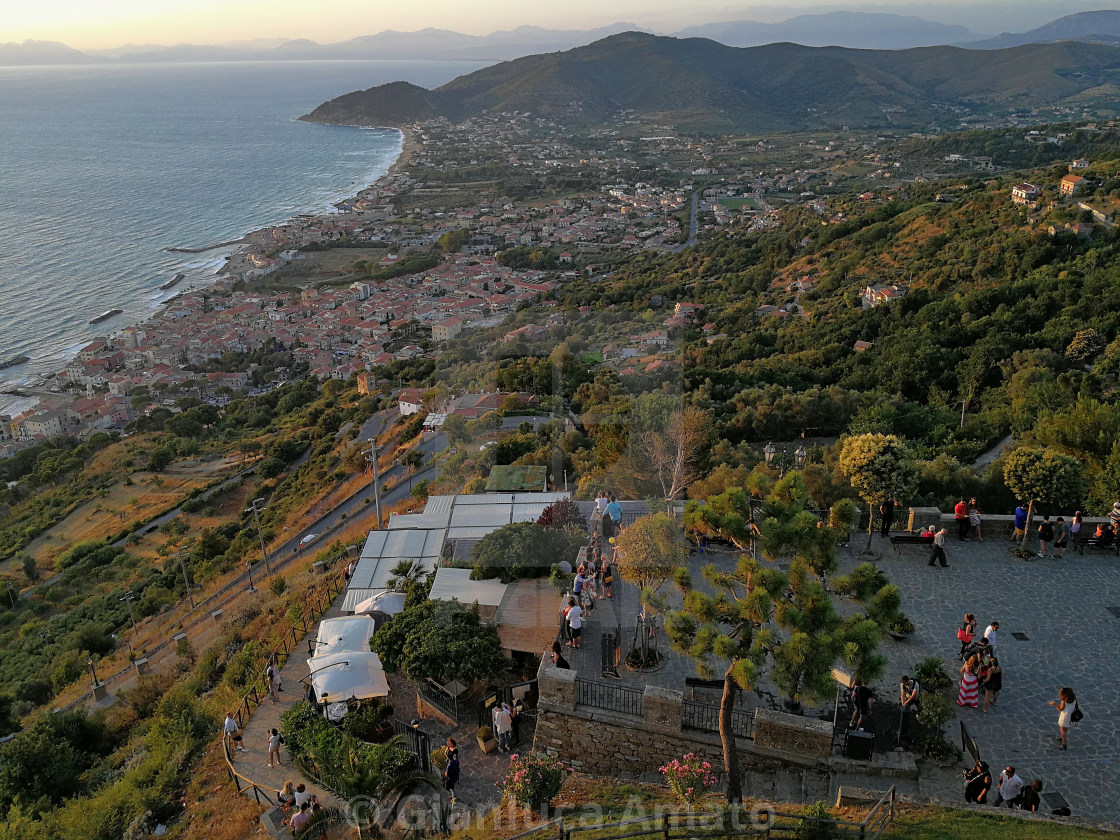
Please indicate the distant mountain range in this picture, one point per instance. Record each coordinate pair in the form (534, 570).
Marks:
(856, 30)
(1093, 27)
(698, 84)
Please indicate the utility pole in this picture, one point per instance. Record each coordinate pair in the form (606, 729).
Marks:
(128, 599)
(183, 554)
(256, 507)
(372, 458)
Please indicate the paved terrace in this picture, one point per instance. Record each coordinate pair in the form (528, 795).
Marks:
(1067, 610)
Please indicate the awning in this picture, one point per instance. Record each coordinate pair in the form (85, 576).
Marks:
(344, 676)
(389, 603)
(338, 635)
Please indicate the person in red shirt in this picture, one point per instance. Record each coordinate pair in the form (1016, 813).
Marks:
(963, 525)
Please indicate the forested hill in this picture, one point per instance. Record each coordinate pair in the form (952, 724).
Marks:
(697, 83)
(1018, 324)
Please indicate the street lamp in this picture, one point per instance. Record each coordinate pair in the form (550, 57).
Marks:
(93, 673)
(12, 594)
(372, 459)
(128, 598)
(249, 566)
(770, 451)
(183, 554)
(256, 507)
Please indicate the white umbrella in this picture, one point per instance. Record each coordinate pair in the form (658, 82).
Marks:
(352, 674)
(389, 603)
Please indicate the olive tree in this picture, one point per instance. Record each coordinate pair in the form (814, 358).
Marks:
(879, 467)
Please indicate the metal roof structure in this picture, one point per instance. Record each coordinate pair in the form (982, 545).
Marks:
(421, 536)
(456, 585)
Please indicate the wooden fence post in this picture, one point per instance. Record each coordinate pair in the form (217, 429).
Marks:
(665, 826)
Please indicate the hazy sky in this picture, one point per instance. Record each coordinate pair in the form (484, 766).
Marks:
(92, 24)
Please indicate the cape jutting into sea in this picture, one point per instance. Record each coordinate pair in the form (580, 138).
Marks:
(104, 168)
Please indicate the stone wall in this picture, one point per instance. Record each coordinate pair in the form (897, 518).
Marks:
(801, 735)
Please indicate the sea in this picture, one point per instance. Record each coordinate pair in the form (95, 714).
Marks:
(104, 168)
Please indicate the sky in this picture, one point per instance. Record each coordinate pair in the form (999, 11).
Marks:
(100, 24)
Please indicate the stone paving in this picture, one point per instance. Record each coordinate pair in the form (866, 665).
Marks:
(1061, 606)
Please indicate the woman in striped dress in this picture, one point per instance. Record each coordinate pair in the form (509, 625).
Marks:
(970, 684)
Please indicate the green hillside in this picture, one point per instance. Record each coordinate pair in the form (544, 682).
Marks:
(694, 82)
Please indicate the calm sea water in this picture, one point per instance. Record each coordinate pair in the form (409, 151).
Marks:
(102, 169)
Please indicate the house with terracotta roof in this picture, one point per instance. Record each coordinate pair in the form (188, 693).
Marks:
(1070, 185)
(409, 401)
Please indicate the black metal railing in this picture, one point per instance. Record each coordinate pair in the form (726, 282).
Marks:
(613, 698)
(436, 695)
(417, 742)
(704, 717)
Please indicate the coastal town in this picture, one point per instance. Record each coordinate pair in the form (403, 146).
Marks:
(476, 222)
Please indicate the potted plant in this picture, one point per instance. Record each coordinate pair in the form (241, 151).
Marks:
(486, 740)
(900, 626)
(930, 673)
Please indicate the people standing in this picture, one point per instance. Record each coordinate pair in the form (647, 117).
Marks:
(233, 732)
(1045, 536)
(886, 510)
(1075, 524)
(966, 633)
(960, 513)
(939, 549)
(503, 725)
(992, 682)
(614, 515)
(1020, 523)
(977, 783)
(1009, 789)
(300, 818)
(1114, 517)
(272, 676)
(862, 699)
(451, 773)
(910, 694)
(969, 690)
(1066, 703)
(274, 742)
(991, 634)
(575, 623)
(1061, 538)
(974, 519)
(515, 721)
(608, 579)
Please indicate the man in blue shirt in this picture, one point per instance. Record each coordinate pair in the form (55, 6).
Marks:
(1020, 522)
(614, 513)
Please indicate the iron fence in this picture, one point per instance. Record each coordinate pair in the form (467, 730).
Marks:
(613, 698)
(704, 717)
(417, 742)
(436, 695)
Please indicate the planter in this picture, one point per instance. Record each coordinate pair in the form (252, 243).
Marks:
(898, 637)
(793, 707)
(487, 746)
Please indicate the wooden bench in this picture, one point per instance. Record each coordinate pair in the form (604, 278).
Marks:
(1082, 543)
(909, 539)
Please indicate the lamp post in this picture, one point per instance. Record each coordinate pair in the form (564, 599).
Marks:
(93, 672)
(249, 567)
(256, 506)
(183, 554)
(128, 598)
(12, 594)
(770, 451)
(372, 459)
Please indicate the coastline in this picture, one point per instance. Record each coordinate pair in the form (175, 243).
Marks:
(242, 246)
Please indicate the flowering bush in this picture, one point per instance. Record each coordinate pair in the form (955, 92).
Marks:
(533, 780)
(689, 777)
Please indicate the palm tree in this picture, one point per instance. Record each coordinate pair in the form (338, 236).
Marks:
(406, 573)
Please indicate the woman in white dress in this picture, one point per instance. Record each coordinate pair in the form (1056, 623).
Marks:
(1065, 705)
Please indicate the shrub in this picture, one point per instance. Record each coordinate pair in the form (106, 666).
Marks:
(688, 777)
(485, 733)
(864, 581)
(811, 828)
(277, 585)
(533, 781)
(930, 674)
(937, 710)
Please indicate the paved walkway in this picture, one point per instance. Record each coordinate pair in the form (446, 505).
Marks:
(1068, 612)
(253, 764)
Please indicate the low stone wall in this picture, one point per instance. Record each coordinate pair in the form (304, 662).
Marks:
(791, 733)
